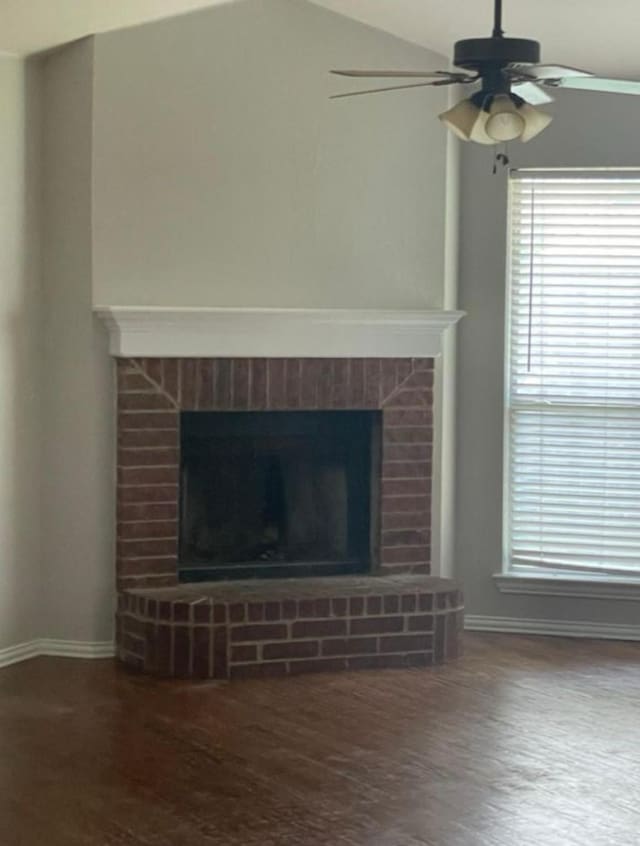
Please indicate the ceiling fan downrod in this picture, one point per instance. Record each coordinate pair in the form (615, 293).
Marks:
(498, 32)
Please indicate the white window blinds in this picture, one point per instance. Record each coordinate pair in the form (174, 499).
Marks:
(572, 497)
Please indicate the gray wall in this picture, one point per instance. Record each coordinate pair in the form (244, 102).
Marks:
(79, 463)
(20, 353)
(224, 175)
(589, 130)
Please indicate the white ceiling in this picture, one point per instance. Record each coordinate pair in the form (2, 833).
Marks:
(600, 35)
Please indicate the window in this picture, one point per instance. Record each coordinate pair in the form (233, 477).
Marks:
(572, 417)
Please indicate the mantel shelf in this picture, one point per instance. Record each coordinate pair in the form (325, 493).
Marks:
(270, 332)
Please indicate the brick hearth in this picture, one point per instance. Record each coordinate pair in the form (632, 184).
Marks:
(243, 629)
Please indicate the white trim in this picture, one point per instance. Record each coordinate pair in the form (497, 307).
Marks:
(275, 333)
(555, 628)
(77, 648)
(549, 585)
(20, 652)
(58, 648)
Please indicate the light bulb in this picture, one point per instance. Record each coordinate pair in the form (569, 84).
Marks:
(535, 121)
(504, 122)
(461, 118)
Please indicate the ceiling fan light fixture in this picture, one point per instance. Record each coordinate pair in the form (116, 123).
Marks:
(505, 121)
(461, 118)
(535, 121)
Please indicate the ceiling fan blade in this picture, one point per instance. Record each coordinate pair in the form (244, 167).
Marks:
(544, 72)
(594, 83)
(532, 93)
(394, 74)
(389, 88)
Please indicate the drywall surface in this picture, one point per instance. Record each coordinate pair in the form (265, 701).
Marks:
(580, 136)
(225, 176)
(20, 348)
(79, 464)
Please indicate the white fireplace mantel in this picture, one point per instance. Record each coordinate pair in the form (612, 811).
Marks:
(272, 332)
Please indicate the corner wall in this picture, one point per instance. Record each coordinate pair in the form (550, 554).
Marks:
(79, 407)
(20, 354)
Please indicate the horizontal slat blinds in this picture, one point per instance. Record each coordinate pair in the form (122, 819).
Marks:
(573, 374)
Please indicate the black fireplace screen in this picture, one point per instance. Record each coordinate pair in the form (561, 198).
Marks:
(273, 494)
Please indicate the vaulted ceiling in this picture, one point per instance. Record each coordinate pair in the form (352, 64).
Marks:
(601, 36)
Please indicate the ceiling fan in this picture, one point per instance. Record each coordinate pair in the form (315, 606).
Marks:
(512, 83)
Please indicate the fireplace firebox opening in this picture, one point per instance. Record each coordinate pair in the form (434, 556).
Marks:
(278, 494)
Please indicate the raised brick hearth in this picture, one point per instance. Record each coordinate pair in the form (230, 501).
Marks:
(273, 627)
(396, 616)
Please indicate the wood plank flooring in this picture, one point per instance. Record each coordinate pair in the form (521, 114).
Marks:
(523, 742)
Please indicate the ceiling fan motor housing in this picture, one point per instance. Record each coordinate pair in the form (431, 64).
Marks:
(480, 53)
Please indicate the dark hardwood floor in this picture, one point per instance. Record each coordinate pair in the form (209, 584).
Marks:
(524, 742)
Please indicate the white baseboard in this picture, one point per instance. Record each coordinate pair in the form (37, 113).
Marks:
(58, 648)
(557, 628)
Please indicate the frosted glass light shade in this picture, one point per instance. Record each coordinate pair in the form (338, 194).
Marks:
(505, 122)
(534, 122)
(461, 118)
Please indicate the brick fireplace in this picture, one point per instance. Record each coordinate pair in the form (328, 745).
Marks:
(193, 600)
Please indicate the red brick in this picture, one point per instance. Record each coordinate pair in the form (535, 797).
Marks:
(154, 457)
(272, 611)
(356, 606)
(388, 377)
(314, 607)
(403, 504)
(372, 378)
(222, 398)
(255, 612)
(289, 609)
(406, 469)
(258, 671)
(317, 665)
(349, 646)
(276, 383)
(404, 487)
(290, 649)
(339, 607)
(425, 602)
(147, 420)
(188, 377)
(356, 383)
(219, 613)
(170, 377)
(245, 652)
(154, 529)
(420, 623)
(147, 548)
(420, 379)
(134, 644)
(340, 383)
(408, 604)
(422, 364)
(220, 652)
(439, 643)
(407, 452)
(406, 537)
(404, 554)
(376, 625)
(135, 382)
(319, 628)
(374, 605)
(180, 612)
(201, 612)
(407, 417)
(325, 382)
(143, 566)
(204, 385)
(406, 643)
(152, 367)
(141, 494)
(260, 631)
(292, 382)
(144, 402)
(240, 383)
(237, 612)
(147, 476)
(408, 435)
(135, 512)
(309, 380)
(409, 398)
(391, 604)
(258, 397)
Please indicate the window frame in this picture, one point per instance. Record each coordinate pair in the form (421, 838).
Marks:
(536, 581)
